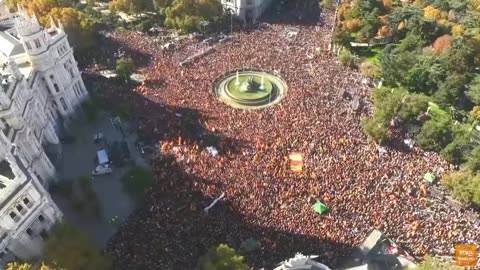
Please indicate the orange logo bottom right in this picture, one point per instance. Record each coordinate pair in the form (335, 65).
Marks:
(466, 255)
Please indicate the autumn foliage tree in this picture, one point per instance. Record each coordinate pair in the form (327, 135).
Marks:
(27, 266)
(128, 6)
(353, 24)
(79, 27)
(442, 44)
(432, 13)
(457, 30)
(387, 4)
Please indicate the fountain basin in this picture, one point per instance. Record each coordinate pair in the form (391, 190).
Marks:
(250, 89)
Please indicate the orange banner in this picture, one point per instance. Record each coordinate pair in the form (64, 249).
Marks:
(466, 255)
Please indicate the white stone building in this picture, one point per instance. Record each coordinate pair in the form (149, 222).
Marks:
(247, 10)
(41, 87)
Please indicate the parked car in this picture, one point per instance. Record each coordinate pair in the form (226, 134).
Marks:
(102, 169)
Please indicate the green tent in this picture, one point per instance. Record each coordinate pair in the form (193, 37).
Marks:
(429, 177)
(320, 208)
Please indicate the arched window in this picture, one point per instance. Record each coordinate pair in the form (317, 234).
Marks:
(57, 90)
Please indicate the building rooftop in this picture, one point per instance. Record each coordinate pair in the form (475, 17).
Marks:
(9, 45)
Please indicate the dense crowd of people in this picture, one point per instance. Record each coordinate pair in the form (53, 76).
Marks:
(364, 188)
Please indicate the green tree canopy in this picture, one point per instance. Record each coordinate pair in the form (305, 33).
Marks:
(125, 68)
(392, 104)
(431, 263)
(459, 149)
(465, 186)
(435, 134)
(71, 249)
(473, 162)
(129, 6)
(474, 90)
(222, 258)
(187, 15)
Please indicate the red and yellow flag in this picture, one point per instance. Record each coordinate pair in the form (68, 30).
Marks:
(296, 162)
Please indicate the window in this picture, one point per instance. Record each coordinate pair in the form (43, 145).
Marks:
(29, 47)
(27, 202)
(29, 232)
(14, 216)
(71, 73)
(2, 255)
(57, 90)
(41, 218)
(20, 209)
(37, 43)
(64, 105)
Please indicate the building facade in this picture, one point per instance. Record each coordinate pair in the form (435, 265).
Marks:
(247, 10)
(41, 88)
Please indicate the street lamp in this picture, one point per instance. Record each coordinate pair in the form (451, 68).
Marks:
(230, 12)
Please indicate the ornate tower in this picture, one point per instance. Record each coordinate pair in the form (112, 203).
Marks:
(34, 40)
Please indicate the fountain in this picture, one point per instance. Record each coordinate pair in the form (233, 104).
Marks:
(237, 81)
(250, 89)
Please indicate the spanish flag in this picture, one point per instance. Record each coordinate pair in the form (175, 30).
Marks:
(296, 162)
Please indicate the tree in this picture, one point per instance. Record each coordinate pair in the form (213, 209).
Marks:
(425, 75)
(435, 134)
(387, 4)
(393, 104)
(459, 149)
(27, 266)
(41, 8)
(187, 15)
(465, 186)
(222, 258)
(369, 69)
(80, 28)
(161, 5)
(473, 162)
(346, 58)
(432, 13)
(128, 6)
(353, 25)
(442, 44)
(457, 30)
(327, 4)
(450, 90)
(125, 68)
(432, 263)
(136, 181)
(475, 113)
(474, 90)
(71, 249)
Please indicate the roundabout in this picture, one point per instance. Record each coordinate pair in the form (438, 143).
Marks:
(250, 89)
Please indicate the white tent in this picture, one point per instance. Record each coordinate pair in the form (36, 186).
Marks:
(102, 156)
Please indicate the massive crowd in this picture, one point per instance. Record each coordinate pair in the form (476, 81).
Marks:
(364, 188)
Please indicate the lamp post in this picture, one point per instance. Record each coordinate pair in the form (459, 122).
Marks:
(230, 12)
